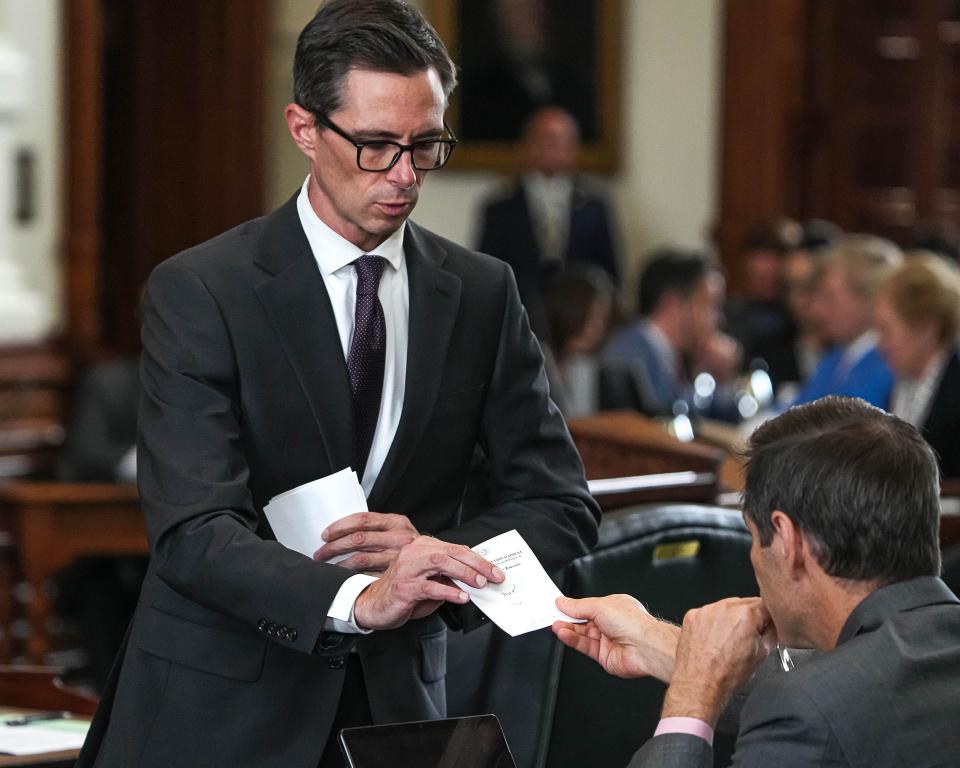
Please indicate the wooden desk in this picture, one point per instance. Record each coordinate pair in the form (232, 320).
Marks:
(53, 524)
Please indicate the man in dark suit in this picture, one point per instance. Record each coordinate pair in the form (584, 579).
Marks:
(550, 216)
(842, 501)
(331, 333)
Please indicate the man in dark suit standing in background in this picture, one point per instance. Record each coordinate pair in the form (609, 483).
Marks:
(549, 216)
(331, 333)
(842, 502)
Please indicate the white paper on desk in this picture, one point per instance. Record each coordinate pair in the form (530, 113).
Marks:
(38, 738)
(299, 516)
(526, 599)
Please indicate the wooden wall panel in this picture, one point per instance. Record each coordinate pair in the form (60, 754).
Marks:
(169, 94)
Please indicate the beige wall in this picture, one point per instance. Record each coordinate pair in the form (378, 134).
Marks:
(33, 27)
(666, 187)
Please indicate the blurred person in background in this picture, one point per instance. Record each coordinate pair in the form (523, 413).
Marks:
(550, 216)
(843, 308)
(917, 318)
(676, 333)
(579, 308)
(792, 358)
(759, 318)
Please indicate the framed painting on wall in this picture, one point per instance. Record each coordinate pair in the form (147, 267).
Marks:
(514, 56)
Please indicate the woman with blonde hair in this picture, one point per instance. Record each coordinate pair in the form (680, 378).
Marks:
(917, 316)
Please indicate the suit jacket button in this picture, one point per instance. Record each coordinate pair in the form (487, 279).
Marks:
(336, 662)
(329, 641)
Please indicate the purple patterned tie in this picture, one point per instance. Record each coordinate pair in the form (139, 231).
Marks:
(367, 355)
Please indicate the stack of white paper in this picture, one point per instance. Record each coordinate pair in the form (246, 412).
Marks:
(41, 737)
(299, 516)
(526, 599)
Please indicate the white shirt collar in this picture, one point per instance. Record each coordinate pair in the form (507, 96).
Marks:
(859, 347)
(332, 251)
(548, 188)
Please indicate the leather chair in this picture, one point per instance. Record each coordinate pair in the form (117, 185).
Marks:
(559, 708)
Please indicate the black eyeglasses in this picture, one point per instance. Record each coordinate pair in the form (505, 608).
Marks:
(379, 155)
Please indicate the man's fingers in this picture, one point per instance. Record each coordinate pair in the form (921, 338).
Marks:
(364, 541)
(575, 636)
(431, 590)
(358, 521)
(368, 562)
(584, 608)
(434, 557)
(367, 521)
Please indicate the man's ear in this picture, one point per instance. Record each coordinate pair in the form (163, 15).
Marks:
(788, 544)
(302, 128)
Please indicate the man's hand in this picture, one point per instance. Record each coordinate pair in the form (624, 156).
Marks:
(375, 537)
(417, 581)
(619, 635)
(720, 355)
(721, 646)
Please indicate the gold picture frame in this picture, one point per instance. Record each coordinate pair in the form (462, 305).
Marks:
(580, 61)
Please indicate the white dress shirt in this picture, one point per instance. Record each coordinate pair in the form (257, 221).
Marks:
(550, 200)
(335, 257)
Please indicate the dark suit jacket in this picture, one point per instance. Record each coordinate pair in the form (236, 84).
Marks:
(886, 697)
(507, 232)
(942, 426)
(246, 395)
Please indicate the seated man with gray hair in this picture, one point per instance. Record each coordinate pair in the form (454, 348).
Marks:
(842, 502)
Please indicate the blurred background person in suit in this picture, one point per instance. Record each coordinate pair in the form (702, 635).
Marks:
(675, 335)
(802, 269)
(550, 216)
(579, 307)
(843, 307)
(759, 317)
(918, 318)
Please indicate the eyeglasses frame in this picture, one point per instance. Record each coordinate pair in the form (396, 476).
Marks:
(451, 142)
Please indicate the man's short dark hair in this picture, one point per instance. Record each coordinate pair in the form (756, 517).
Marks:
(377, 35)
(669, 270)
(861, 484)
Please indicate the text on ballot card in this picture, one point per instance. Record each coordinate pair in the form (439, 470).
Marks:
(526, 599)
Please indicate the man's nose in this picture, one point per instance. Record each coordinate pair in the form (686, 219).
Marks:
(403, 174)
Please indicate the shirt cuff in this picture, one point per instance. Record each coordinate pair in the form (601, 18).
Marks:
(340, 613)
(690, 725)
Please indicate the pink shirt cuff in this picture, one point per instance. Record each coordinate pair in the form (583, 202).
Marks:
(691, 725)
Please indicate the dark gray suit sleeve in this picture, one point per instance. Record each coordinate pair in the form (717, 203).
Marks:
(536, 477)
(193, 473)
(674, 750)
(781, 725)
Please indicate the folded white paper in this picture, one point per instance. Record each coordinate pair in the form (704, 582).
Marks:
(299, 516)
(526, 599)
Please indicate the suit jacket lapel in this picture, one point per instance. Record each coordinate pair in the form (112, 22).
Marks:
(295, 298)
(434, 301)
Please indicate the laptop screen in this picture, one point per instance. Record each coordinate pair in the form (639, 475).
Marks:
(460, 742)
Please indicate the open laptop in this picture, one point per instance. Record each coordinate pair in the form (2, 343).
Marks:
(457, 742)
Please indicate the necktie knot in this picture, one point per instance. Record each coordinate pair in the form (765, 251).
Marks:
(369, 271)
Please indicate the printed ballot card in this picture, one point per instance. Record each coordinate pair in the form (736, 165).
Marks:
(299, 516)
(525, 600)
